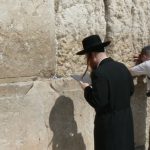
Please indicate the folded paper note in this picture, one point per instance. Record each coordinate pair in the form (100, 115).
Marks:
(85, 79)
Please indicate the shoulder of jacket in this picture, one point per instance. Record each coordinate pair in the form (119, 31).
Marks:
(98, 73)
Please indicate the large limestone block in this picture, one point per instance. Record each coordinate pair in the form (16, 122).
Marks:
(74, 21)
(27, 37)
(46, 115)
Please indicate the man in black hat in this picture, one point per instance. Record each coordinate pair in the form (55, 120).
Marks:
(109, 94)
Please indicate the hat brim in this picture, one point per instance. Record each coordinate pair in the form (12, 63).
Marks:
(102, 45)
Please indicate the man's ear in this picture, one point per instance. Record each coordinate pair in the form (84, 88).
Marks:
(144, 57)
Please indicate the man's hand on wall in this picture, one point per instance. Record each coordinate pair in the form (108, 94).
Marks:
(137, 59)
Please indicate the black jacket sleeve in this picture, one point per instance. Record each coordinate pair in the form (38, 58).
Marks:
(97, 95)
(131, 83)
(132, 86)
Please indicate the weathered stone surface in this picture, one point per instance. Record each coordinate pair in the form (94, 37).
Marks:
(127, 27)
(45, 117)
(147, 130)
(15, 89)
(139, 107)
(125, 23)
(75, 20)
(27, 35)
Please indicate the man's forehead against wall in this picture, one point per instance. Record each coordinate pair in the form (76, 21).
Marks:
(146, 50)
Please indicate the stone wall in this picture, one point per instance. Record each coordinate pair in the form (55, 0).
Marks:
(125, 23)
(127, 27)
(27, 35)
(38, 41)
(44, 114)
(141, 122)
(74, 21)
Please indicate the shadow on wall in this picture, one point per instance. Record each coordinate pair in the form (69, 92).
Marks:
(64, 127)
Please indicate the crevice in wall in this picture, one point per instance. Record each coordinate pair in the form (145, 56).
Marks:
(56, 8)
(17, 79)
(56, 5)
(132, 23)
(106, 4)
(52, 87)
(29, 89)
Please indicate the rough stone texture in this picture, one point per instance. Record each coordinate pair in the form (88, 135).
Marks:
(127, 27)
(148, 124)
(139, 107)
(75, 20)
(27, 37)
(41, 115)
(125, 23)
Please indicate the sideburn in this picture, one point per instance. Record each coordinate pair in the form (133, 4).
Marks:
(87, 67)
(89, 64)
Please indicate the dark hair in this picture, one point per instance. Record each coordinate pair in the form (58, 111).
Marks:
(89, 63)
(146, 50)
(87, 67)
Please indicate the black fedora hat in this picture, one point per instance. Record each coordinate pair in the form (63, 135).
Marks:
(93, 43)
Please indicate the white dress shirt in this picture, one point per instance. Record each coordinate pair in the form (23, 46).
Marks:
(142, 69)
